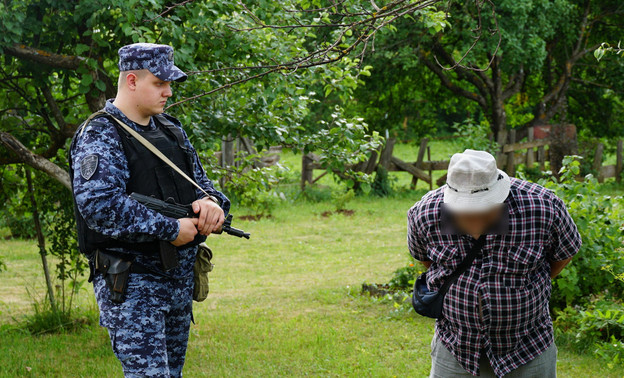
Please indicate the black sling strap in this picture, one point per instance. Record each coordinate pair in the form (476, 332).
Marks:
(464, 265)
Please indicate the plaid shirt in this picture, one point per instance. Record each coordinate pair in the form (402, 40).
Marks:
(499, 306)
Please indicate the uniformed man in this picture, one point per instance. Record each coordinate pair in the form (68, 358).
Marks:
(145, 301)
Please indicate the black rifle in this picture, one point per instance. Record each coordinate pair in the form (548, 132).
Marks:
(175, 210)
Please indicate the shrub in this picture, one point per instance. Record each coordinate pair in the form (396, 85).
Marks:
(404, 278)
(46, 319)
(476, 136)
(382, 184)
(598, 328)
(598, 218)
(248, 186)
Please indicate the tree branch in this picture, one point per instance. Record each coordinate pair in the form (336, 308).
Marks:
(482, 83)
(34, 160)
(44, 57)
(514, 84)
(362, 30)
(446, 81)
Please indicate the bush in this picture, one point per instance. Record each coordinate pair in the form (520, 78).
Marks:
(382, 184)
(46, 319)
(476, 136)
(599, 220)
(404, 278)
(598, 328)
(248, 186)
(16, 213)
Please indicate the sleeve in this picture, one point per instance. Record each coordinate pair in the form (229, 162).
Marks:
(565, 240)
(415, 235)
(100, 173)
(202, 179)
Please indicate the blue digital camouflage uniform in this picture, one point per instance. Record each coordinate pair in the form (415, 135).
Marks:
(149, 330)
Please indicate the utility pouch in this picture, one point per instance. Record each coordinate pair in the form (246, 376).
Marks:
(116, 271)
(168, 255)
(202, 267)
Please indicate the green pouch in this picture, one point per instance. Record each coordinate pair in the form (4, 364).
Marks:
(200, 271)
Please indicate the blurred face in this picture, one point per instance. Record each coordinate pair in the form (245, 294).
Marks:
(151, 94)
(477, 223)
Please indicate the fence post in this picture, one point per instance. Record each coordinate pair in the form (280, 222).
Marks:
(386, 154)
(419, 160)
(530, 157)
(307, 170)
(430, 168)
(541, 157)
(618, 164)
(511, 163)
(598, 161)
(227, 156)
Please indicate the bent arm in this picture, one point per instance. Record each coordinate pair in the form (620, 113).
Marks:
(557, 266)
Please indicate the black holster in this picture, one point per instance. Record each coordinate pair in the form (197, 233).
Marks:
(115, 270)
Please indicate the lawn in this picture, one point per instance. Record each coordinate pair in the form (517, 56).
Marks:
(285, 303)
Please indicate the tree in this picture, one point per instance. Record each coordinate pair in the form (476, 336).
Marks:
(58, 58)
(540, 54)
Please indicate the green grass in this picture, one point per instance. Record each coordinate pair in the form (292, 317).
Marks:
(284, 303)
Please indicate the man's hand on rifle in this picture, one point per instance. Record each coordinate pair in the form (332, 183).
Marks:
(188, 230)
(210, 215)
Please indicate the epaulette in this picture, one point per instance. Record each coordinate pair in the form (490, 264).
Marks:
(93, 116)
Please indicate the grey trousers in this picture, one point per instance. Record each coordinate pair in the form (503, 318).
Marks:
(444, 365)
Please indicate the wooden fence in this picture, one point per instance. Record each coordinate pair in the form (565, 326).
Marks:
(531, 152)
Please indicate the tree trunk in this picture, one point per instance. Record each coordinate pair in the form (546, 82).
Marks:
(499, 115)
(40, 239)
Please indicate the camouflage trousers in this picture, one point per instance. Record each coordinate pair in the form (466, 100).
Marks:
(149, 330)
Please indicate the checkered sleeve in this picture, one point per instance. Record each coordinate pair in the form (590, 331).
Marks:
(415, 237)
(565, 237)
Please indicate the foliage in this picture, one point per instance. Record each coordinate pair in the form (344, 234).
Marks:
(598, 218)
(543, 71)
(46, 320)
(382, 184)
(248, 185)
(342, 143)
(476, 136)
(404, 278)
(56, 214)
(340, 200)
(63, 244)
(605, 47)
(15, 215)
(598, 328)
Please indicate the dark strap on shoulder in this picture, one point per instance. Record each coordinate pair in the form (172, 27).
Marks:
(465, 264)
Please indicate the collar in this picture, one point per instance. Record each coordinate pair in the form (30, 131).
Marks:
(112, 109)
(500, 228)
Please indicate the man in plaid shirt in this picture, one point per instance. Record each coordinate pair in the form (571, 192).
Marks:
(495, 319)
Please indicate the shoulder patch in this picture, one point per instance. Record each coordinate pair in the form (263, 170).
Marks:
(88, 166)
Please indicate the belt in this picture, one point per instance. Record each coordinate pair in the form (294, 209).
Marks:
(135, 267)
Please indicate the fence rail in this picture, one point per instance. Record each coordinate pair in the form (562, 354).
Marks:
(530, 153)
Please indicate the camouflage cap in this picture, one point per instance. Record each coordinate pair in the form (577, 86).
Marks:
(158, 59)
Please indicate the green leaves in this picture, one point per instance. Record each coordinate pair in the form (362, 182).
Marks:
(81, 49)
(600, 52)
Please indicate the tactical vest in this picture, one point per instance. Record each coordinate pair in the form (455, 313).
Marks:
(149, 176)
